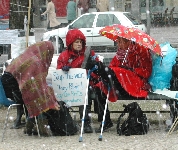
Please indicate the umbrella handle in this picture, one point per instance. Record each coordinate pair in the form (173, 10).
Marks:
(125, 56)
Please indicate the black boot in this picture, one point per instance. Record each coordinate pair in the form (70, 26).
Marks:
(87, 127)
(107, 124)
(87, 119)
(18, 124)
(29, 126)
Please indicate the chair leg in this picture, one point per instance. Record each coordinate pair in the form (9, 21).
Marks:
(7, 117)
(173, 126)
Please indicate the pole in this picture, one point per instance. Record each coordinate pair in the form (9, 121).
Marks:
(27, 33)
(148, 16)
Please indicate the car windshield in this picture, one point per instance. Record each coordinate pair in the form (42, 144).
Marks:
(85, 21)
(106, 20)
(132, 18)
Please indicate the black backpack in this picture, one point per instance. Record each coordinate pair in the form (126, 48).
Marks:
(61, 123)
(136, 123)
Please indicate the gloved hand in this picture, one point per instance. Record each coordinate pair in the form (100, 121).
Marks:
(66, 68)
(90, 64)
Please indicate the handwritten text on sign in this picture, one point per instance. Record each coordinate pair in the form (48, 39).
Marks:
(70, 86)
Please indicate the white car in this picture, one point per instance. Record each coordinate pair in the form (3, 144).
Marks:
(90, 24)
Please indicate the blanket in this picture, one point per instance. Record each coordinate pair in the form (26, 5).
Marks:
(30, 70)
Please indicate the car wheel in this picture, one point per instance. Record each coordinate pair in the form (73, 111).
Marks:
(60, 45)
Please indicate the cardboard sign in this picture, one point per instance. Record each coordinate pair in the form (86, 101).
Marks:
(70, 86)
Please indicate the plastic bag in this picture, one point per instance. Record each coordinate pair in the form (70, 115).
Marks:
(162, 67)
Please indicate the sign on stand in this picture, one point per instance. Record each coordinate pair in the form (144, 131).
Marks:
(18, 44)
(8, 36)
(70, 86)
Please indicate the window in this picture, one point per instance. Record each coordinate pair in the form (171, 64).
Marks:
(132, 18)
(106, 20)
(157, 3)
(85, 21)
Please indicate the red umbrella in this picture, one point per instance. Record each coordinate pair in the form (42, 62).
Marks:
(115, 31)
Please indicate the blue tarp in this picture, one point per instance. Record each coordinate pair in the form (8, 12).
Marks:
(162, 67)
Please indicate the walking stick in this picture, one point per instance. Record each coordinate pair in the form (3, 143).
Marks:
(85, 103)
(87, 54)
(106, 104)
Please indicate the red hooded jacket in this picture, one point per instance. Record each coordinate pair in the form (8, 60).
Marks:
(73, 58)
(132, 72)
(70, 57)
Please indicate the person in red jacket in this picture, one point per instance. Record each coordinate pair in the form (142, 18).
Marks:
(73, 57)
(127, 75)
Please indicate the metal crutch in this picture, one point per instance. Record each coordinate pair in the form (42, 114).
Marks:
(85, 103)
(100, 137)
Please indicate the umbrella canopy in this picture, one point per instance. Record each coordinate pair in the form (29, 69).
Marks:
(115, 31)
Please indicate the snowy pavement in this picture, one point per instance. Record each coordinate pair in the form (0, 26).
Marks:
(156, 139)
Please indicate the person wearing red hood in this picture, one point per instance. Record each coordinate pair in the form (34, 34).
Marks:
(126, 76)
(73, 57)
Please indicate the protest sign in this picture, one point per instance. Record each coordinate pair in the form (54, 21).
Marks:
(70, 86)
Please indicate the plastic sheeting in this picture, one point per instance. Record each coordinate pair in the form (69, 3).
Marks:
(162, 67)
(20, 46)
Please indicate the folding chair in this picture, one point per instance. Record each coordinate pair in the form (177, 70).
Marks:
(6, 120)
(4, 101)
(7, 117)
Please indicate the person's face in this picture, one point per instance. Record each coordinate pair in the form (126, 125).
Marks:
(123, 43)
(77, 45)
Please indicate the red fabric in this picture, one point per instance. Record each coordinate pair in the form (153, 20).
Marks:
(30, 70)
(60, 6)
(135, 81)
(4, 8)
